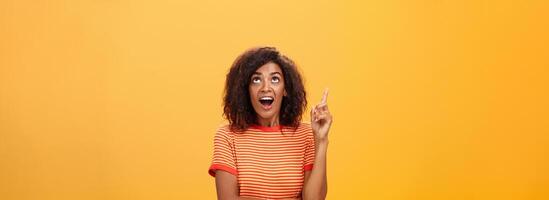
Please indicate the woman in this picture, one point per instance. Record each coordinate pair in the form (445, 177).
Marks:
(265, 152)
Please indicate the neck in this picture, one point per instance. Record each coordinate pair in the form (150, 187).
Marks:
(268, 122)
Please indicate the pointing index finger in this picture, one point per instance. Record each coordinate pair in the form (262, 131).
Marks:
(325, 96)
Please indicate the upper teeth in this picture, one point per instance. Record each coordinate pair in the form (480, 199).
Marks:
(266, 98)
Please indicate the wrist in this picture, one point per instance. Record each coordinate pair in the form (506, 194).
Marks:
(321, 142)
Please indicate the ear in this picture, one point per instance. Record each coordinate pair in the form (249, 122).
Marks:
(285, 93)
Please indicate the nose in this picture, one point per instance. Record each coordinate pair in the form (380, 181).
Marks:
(265, 87)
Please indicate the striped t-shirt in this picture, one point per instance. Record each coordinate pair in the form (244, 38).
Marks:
(269, 162)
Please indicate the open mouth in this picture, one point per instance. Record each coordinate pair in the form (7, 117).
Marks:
(266, 102)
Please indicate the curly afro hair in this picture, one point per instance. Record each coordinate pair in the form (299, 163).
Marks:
(237, 106)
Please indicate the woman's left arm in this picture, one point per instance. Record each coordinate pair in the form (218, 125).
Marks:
(315, 183)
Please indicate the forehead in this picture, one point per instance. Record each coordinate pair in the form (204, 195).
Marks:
(268, 68)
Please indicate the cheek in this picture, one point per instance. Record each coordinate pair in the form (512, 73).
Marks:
(251, 90)
(280, 93)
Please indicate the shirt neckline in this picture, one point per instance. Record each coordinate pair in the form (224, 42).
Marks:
(267, 128)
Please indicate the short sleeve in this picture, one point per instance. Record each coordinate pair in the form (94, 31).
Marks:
(309, 149)
(223, 154)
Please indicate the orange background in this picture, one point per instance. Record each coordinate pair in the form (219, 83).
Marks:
(120, 99)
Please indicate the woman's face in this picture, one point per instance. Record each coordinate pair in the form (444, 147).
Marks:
(266, 92)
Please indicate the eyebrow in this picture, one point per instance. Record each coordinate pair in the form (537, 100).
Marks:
(272, 73)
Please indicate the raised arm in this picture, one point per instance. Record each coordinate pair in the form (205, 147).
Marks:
(315, 183)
